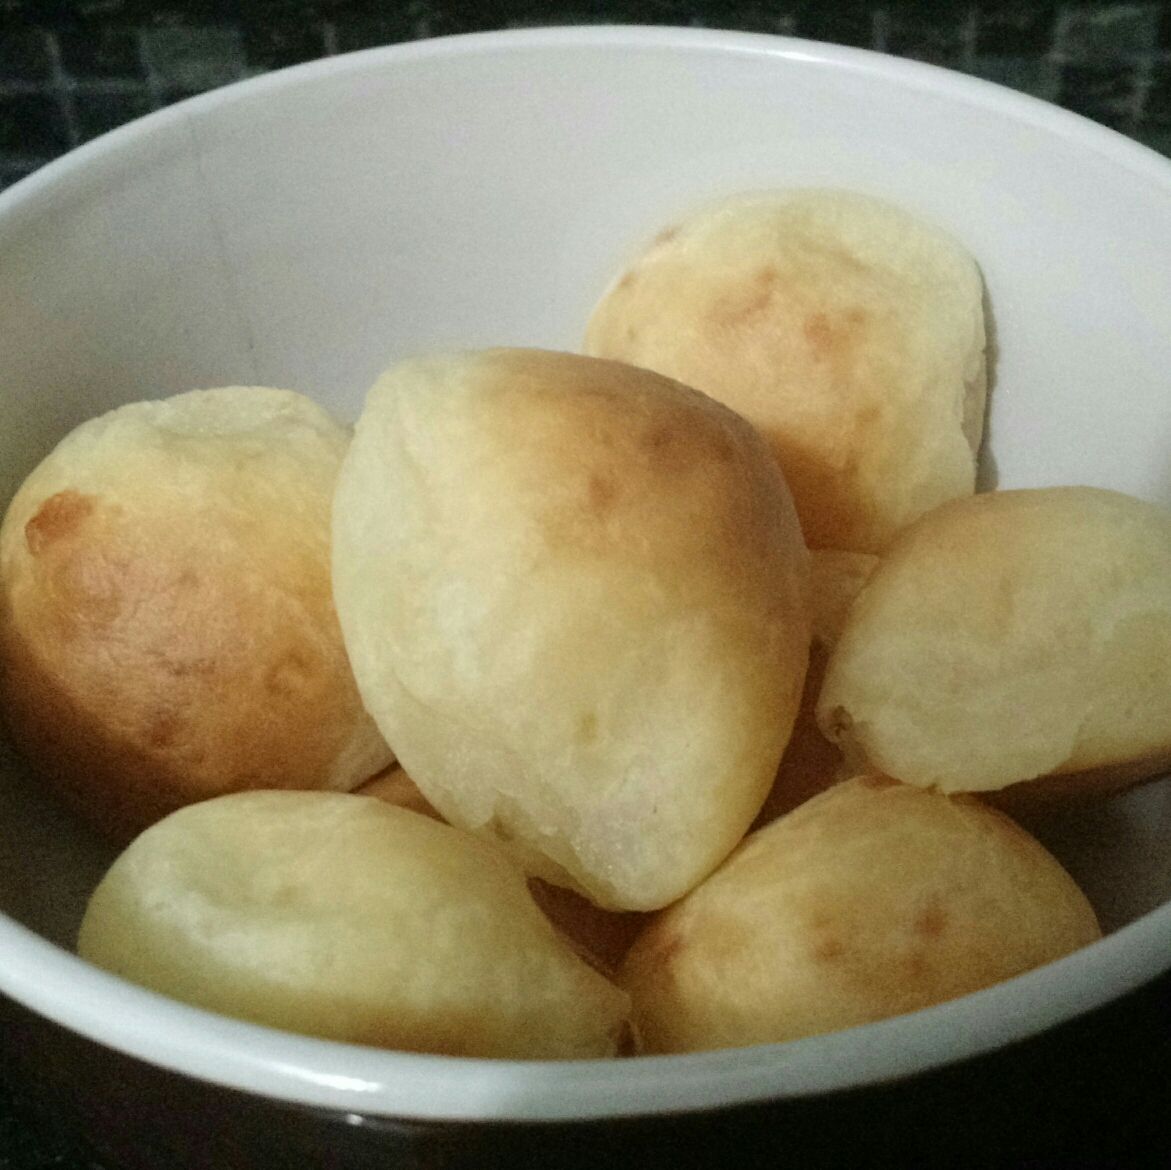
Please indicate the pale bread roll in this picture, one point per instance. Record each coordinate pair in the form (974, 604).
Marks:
(850, 333)
(167, 631)
(340, 916)
(574, 595)
(1013, 635)
(870, 900)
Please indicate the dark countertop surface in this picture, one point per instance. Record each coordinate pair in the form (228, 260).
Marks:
(1096, 1092)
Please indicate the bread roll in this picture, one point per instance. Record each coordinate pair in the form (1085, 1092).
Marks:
(341, 916)
(166, 626)
(870, 900)
(849, 332)
(1009, 636)
(574, 595)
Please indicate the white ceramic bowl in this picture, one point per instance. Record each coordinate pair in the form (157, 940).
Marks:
(306, 228)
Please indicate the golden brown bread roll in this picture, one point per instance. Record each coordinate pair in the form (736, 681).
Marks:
(1009, 636)
(166, 626)
(849, 332)
(574, 595)
(341, 916)
(870, 900)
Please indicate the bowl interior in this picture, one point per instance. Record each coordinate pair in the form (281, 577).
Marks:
(308, 228)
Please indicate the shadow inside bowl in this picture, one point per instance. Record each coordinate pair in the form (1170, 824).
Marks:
(987, 473)
(50, 862)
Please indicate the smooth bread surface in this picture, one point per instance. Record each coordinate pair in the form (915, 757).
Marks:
(167, 630)
(849, 332)
(870, 900)
(341, 916)
(1013, 636)
(575, 597)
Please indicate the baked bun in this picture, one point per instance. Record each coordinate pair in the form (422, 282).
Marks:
(850, 333)
(340, 916)
(167, 632)
(870, 900)
(574, 595)
(1009, 636)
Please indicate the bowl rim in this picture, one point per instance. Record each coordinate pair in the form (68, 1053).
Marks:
(1128, 152)
(359, 1080)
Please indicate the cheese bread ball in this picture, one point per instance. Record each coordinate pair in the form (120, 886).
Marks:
(1009, 636)
(848, 331)
(871, 900)
(574, 596)
(167, 631)
(340, 916)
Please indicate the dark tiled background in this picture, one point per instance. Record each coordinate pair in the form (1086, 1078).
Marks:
(70, 71)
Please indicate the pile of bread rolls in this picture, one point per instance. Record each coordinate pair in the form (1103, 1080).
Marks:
(710, 681)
